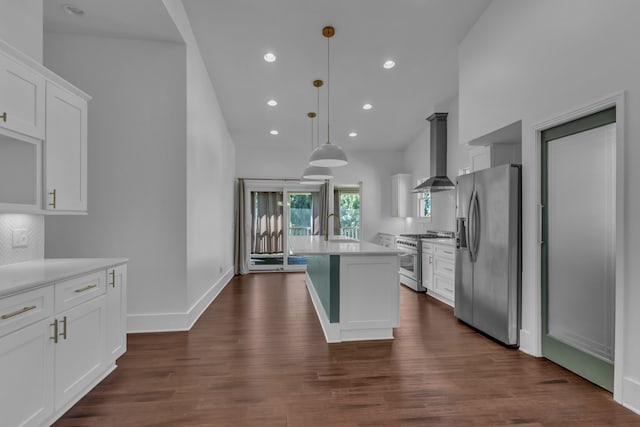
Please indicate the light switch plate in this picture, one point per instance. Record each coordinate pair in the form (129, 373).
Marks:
(20, 238)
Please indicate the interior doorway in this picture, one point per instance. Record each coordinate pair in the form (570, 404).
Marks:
(578, 245)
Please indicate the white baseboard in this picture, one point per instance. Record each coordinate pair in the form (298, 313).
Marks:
(631, 394)
(170, 322)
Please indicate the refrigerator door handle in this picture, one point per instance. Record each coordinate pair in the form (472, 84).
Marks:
(476, 225)
(471, 227)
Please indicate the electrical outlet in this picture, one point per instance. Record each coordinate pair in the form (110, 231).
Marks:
(20, 238)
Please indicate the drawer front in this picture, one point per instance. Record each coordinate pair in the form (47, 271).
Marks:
(18, 311)
(444, 267)
(445, 251)
(444, 286)
(427, 248)
(76, 291)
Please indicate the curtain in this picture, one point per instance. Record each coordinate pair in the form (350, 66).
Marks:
(321, 210)
(241, 255)
(266, 227)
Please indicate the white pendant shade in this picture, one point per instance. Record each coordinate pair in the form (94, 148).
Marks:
(328, 155)
(317, 172)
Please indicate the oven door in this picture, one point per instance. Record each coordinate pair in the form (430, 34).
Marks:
(408, 261)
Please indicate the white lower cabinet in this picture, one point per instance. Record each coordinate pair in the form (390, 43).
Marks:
(116, 311)
(26, 375)
(438, 271)
(80, 350)
(57, 342)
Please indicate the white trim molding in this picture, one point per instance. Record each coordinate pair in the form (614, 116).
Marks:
(173, 322)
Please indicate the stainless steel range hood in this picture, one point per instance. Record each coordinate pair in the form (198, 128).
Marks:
(438, 180)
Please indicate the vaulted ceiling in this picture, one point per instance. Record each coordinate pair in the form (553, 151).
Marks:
(421, 36)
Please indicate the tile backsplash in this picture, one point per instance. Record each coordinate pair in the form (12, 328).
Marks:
(34, 225)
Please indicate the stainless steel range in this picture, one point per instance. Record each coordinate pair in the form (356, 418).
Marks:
(410, 259)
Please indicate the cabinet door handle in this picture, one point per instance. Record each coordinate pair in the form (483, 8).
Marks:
(53, 204)
(430, 260)
(3, 116)
(113, 278)
(55, 331)
(15, 313)
(64, 328)
(86, 288)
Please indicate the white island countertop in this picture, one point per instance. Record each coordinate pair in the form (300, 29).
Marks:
(336, 245)
(31, 274)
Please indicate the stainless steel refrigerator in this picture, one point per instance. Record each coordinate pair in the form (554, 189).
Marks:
(488, 255)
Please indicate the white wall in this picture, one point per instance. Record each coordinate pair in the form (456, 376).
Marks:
(21, 26)
(136, 164)
(34, 224)
(417, 163)
(373, 168)
(210, 173)
(535, 60)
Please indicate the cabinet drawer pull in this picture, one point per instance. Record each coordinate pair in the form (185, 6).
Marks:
(15, 313)
(64, 328)
(55, 331)
(53, 204)
(113, 278)
(86, 288)
(430, 259)
(3, 116)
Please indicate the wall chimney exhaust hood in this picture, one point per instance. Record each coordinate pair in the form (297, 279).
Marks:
(438, 180)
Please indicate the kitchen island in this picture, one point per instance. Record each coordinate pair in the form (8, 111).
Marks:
(354, 286)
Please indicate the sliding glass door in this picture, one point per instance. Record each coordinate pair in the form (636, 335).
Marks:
(277, 212)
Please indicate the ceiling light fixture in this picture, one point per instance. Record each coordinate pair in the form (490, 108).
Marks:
(353, 134)
(274, 132)
(73, 10)
(329, 155)
(367, 107)
(270, 57)
(389, 64)
(316, 172)
(272, 102)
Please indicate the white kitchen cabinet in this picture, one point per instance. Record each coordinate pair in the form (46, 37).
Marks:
(22, 94)
(488, 156)
(427, 266)
(54, 339)
(438, 271)
(65, 151)
(401, 196)
(116, 311)
(26, 375)
(80, 351)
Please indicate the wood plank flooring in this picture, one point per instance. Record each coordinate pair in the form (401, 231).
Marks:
(257, 357)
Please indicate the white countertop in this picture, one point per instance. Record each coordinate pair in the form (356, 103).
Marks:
(31, 274)
(448, 242)
(336, 245)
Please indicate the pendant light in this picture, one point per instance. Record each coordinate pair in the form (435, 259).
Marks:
(328, 154)
(316, 172)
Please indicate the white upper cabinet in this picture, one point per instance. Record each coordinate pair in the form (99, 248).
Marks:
(21, 99)
(401, 195)
(65, 151)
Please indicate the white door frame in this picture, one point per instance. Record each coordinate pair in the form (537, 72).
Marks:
(616, 100)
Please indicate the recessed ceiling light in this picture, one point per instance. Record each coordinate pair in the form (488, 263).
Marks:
(273, 132)
(270, 57)
(73, 10)
(272, 102)
(367, 107)
(353, 134)
(389, 64)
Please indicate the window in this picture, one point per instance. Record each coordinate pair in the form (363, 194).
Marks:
(346, 204)
(424, 205)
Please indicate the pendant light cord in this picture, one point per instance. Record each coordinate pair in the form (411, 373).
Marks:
(318, 116)
(328, 94)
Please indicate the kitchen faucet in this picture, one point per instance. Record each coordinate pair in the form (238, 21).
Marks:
(326, 233)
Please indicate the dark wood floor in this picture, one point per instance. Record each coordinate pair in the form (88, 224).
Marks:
(257, 357)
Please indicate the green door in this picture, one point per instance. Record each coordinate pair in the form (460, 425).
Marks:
(578, 246)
